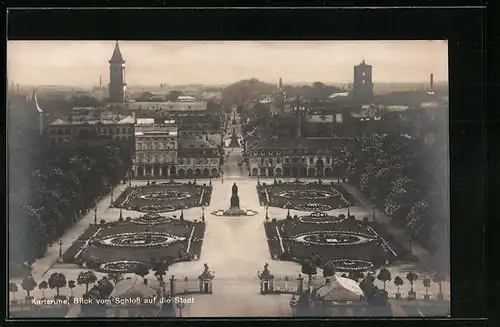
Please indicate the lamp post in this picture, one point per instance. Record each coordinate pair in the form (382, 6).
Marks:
(112, 193)
(348, 210)
(373, 212)
(60, 249)
(203, 212)
(293, 304)
(172, 290)
(95, 215)
(267, 211)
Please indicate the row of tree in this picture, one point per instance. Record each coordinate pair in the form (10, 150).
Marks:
(66, 183)
(407, 179)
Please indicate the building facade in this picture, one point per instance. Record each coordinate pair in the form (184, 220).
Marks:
(94, 132)
(117, 86)
(285, 157)
(363, 84)
(198, 158)
(155, 149)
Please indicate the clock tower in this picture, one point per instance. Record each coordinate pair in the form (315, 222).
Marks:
(363, 85)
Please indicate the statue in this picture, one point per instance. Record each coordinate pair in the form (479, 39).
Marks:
(206, 266)
(235, 199)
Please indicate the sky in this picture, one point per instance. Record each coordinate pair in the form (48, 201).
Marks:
(81, 63)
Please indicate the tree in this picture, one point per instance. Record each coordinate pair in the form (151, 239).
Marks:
(355, 275)
(439, 278)
(28, 284)
(105, 287)
(411, 277)
(43, 286)
(13, 289)
(57, 281)
(427, 284)
(86, 278)
(92, 262)
(71, 285)
(328, 270)
(173, 95)
(309, 269)
(398, 281)
(141, 270)
(115, 277)
(384, 275)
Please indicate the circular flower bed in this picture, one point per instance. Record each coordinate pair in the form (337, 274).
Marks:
(155, 208)
(333, 238)
(121, 267)
(312, 206)
(307, 194)
(319, 217)
(349, 265)
(138, 240)
(166, 195)
(152, 219)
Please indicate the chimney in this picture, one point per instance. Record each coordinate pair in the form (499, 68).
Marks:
(100, 81)
(432, 82)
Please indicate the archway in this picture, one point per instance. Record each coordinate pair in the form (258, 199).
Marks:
(278, 172)
(263, 172)
(182, 173)
(147, 171)
(140, 171)
(311, 172)
(255, 172)
(270, 171)
(164, 171)
(189, 173)
(286, 172)
(206, 172)
(295, 172)
(156, 171)
(197, 172)
(215, 172)
(328, 172)
(173, 171)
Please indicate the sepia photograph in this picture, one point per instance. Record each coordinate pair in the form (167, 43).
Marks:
(228, 179)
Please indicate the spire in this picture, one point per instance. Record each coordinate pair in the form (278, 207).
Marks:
(117, 55)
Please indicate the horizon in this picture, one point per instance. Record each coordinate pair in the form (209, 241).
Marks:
(178, 63)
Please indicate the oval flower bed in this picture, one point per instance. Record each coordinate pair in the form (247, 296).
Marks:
(156, 208)
(333, 238)
(349, 265)
(152, 219)
(138, 240)
(121, 267)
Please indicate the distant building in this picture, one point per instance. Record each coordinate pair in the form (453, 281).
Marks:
(198, 158)
(117, 86)
(294, 157)
(363, 84)
(83, 114)
(156, 148)
(92, 132)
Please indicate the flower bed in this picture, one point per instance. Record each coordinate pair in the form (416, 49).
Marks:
(122, 266)
(319, 217)
(138, 240)
(333, 238)
(157, 208)
(350, 265)
(152, 219)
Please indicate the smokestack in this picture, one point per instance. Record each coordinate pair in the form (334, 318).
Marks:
(100, 81)
(281, 83)
(432, 82)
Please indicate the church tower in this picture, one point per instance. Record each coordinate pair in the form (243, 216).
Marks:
(363, 84)
(117, 86)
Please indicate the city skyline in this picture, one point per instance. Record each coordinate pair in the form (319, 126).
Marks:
(83, 63)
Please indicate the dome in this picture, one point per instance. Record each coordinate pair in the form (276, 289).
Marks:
(338, 289)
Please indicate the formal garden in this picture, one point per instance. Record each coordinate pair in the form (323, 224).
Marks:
(340, 242)
(164, 197)
(120, 246)
(305, 196)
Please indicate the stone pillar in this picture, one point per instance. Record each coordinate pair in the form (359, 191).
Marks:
(161, 171)
(135, 171)
(168, 171)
